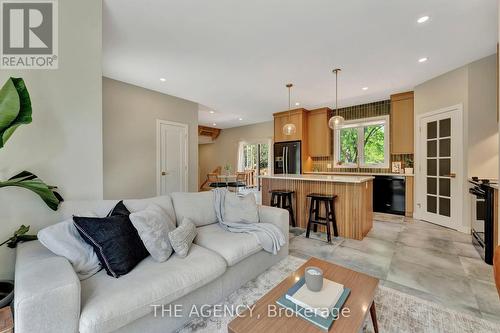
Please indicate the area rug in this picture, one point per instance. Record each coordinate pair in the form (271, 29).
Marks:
(397, 312)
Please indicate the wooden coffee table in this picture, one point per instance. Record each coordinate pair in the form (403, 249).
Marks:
(360, 301)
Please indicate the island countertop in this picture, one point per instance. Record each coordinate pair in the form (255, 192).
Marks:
(352, 179)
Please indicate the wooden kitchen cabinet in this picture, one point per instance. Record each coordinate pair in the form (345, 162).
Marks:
(320, 135)
(297, 117)
(409, 196)
(402, 123)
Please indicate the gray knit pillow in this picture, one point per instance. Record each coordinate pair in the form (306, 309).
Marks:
(182, 237)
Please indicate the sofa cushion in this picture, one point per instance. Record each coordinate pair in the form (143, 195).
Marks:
(182, 237)
(241, 209)
(198, 207)
(232, 246)
(115, 241)
(101, 208)
(108, 304)
(153, 225)
(64, 240)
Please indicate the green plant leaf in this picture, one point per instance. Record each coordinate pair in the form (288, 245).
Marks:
(31, 182)
(15, 108)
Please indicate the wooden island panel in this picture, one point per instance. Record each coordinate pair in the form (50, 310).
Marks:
(353, 206)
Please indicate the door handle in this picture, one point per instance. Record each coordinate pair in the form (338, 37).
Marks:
(451, 175)
(164, 173)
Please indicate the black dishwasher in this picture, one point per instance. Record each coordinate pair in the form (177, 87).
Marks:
(389, 194)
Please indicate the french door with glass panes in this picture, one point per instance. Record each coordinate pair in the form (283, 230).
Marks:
(440, 169)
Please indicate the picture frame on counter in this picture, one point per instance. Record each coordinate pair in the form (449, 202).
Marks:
(396, 167)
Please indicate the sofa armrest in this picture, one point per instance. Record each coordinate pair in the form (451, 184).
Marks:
(47, 291)
(277, 216)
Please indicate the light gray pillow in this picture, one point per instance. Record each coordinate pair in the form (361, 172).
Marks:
(198, 207)
(241, 208)
(182, 237)
(153, 225)
(64, 240)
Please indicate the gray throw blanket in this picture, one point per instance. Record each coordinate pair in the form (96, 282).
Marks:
(268, 235)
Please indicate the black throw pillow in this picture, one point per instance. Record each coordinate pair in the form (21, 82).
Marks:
(119, 209)
(114, 240)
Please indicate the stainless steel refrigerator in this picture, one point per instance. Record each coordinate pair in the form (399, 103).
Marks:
(287, 158)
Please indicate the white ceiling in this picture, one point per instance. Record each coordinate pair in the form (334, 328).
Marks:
(235, 56)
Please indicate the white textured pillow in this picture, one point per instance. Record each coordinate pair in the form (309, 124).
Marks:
(153, 225)
(198, 207)
(64, 240)
(240, 209)
(182, 237)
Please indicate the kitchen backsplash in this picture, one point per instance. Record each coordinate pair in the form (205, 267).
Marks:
(382, 108)
(320, 164)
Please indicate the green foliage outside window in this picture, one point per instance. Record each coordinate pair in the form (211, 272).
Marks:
(349, 146)
(373, 145)
(251, 157)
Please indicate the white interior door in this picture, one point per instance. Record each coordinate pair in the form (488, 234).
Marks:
(440, 168)
(172, 148)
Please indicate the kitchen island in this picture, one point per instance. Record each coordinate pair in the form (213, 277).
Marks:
(353, 205)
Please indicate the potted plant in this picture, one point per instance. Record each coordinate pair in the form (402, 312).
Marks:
(15, 110)
(7, 286)
(227, 169)
(408, 166)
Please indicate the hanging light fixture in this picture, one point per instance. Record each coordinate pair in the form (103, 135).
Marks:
(336, 121)
(289, 128)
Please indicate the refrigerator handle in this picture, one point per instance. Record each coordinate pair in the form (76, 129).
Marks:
(283, 157)
(286, 160)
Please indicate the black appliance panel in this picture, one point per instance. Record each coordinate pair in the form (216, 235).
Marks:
(389, 194)
(287, 158)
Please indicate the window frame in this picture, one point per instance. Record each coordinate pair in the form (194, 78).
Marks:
(360, 124)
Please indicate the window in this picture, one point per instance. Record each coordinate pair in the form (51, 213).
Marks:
(362, 143)
(255, 156)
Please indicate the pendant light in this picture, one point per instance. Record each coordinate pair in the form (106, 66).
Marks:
(336, 121)
(289, 128)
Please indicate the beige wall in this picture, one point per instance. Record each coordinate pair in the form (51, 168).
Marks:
(474, 87)
(129, 137)
(63, 144)
(225, 149)
(483, 129)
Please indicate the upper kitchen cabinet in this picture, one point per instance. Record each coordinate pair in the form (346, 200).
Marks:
(298, 117)
(402, 123)
(320, 135)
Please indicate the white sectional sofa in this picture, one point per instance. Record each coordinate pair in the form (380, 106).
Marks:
(49, 297)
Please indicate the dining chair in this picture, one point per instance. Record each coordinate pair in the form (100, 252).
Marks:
(241, 178)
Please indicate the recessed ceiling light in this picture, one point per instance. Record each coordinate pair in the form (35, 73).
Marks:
(214, 124)
(240, 119)
(423, 19)
(424, 59)
(297, 103)
(162, 79)
(211, 112)
(365, 88)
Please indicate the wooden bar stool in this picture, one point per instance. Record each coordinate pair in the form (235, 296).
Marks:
(315, 218)
(283, 199)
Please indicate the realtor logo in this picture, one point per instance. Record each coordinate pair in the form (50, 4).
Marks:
(29, 34)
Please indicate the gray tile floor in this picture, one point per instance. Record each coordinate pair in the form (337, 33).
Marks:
(415, 257)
